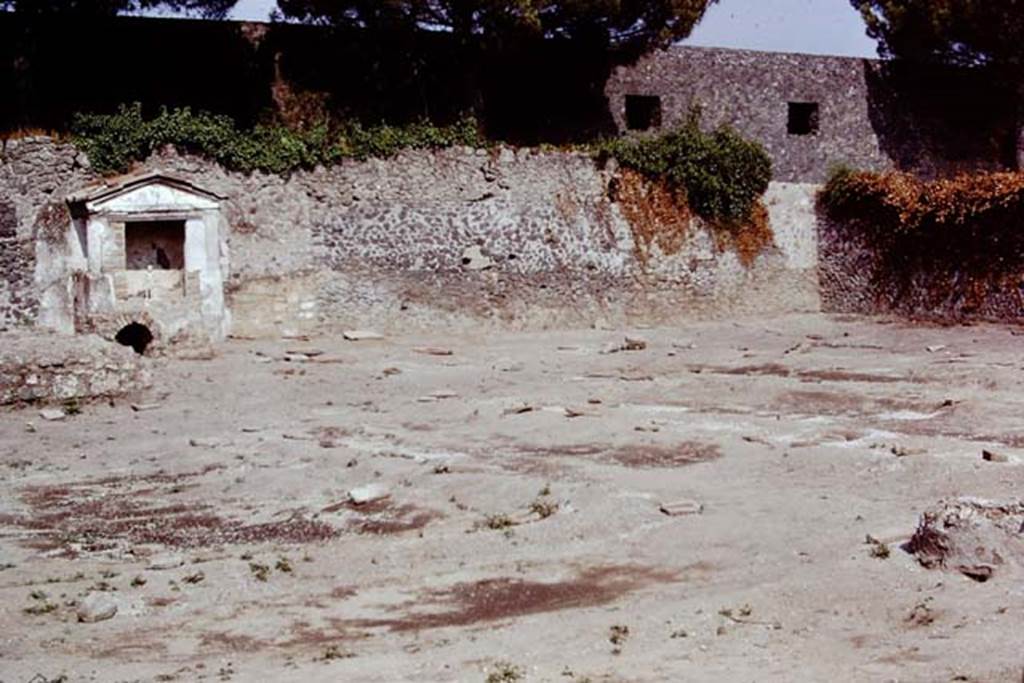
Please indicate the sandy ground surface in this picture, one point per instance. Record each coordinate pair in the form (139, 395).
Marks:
(522, 536)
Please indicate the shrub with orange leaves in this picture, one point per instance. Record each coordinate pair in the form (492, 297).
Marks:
(899, 204)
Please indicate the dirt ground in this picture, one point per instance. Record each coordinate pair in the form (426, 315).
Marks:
(522, 536)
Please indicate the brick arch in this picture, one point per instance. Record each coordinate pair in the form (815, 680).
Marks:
(109, 327)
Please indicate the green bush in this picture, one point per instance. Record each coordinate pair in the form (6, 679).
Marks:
(114, 141)
(722, 174)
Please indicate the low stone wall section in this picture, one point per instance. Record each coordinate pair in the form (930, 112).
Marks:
(52, 369)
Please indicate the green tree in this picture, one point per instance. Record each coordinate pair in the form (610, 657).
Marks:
(640, 24)
(959, 32)
(966, 33)
(41, 9)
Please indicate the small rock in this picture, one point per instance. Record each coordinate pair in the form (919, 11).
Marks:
(443, 394)
(361, 335)
(206, 443)
(52, 414)
(327, 359)
(682, 507)
(167, 561)
(972, 536)
(143, 407)
(629, 344)
(634, 344)
(990, 456)
(935, 348)
(96, 607)
(311, 353)
(519, 409)
(432, 351)
(368, 494)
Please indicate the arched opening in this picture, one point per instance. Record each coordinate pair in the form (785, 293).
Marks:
(134, 335)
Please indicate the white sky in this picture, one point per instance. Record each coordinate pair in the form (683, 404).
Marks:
(829, 27)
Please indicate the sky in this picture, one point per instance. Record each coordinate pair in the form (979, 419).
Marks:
(829, 27)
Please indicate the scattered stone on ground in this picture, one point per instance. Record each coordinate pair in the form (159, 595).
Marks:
(368, 493)
(95, 607)
(992, 456)
(362, 335)
(679, 508)
(432, 351)
(970, 536)
(525, 535)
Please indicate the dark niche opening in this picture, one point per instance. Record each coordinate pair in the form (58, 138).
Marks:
(643, 112)
(803, 118)
(154, 244)
(134, 335)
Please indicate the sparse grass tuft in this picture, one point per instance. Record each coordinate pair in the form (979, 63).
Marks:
(617, 636)
(505, 672)
(334, 652)
(499, 522)
(259, 570)
(543, 508)
(41, 606)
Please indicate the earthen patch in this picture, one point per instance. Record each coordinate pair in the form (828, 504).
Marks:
(490, 600)
(676, 455)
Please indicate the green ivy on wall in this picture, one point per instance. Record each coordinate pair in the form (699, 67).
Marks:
(722, 174)
(115, 141)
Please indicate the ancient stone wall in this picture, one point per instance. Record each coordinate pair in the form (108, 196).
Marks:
(33, 174)
(862, 273)
(865, 114)
(47, 368)
(512, 238)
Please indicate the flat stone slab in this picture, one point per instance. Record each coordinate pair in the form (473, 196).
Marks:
(682, 508)
(361, 335)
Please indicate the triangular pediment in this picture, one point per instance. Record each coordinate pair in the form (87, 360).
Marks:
(148, 193)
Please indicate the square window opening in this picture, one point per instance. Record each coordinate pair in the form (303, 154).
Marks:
(803, 118)
(154, 244)
(643, 112)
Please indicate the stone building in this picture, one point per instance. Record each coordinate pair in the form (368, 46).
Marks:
(814, 112)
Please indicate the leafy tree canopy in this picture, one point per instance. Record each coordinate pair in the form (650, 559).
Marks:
(633, 23)
(960, 32)
(210, 9)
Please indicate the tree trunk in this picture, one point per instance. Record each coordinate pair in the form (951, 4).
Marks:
(1019, 132)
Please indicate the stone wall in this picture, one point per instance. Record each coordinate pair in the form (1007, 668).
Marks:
(47, 368)
(509, 238)
(861, 273)
(34, 174)
(871, 114)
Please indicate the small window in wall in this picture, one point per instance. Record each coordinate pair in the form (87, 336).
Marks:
(643, 112)
(156, 244)
(803, 118)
